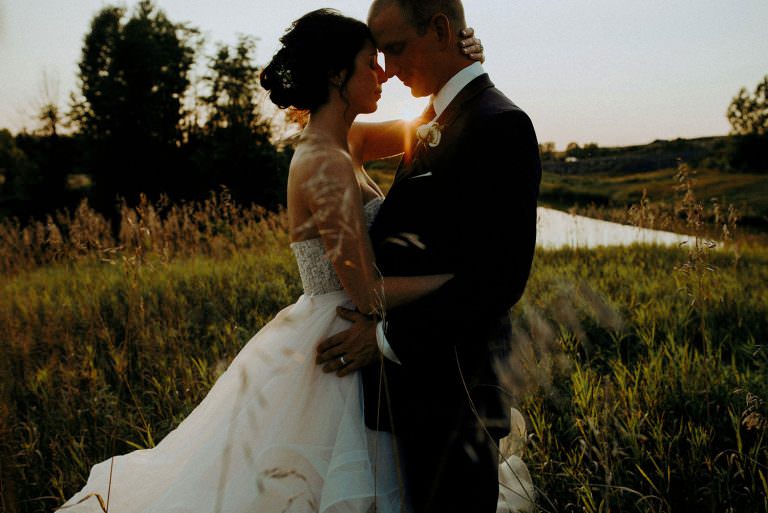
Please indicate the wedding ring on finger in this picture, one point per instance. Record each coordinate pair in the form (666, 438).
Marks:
(343, 360)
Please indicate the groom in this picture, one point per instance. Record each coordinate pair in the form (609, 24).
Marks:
(463, 202)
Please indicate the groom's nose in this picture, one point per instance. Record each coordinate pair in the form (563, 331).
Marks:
(390, 69)
(381, 75)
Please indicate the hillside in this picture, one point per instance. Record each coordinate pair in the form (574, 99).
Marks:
(701, 152)
(606, 182)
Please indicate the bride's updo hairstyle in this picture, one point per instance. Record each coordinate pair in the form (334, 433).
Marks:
(317, 46)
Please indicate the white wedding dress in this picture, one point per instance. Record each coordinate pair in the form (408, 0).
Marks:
(274, 434)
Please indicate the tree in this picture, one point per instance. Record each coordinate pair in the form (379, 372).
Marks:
(547, 150)
(47, 109)
(234, 85)
(19, 177)
(587, 151)
(233, 147)
(747, 114)
(36, 165)
(133, 76)
(94, 111)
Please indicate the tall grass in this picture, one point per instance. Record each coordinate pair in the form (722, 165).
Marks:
(642, 370)
(100, 359)
(106, 342)
(646, 371)
(657, 406)
(216, 227)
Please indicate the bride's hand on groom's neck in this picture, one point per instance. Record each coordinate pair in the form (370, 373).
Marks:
(471, 46)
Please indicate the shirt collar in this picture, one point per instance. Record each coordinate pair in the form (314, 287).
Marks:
(453, 87)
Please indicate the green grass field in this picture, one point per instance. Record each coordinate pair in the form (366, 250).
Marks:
(642, 371)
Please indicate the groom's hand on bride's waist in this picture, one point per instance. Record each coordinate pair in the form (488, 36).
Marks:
(351, 349)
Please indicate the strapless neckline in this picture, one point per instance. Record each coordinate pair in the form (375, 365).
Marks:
(315, 268)
(370, 208)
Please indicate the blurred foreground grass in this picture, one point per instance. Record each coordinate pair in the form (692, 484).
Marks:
(642, 371)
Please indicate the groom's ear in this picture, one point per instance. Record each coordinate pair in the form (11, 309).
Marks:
(441, 26)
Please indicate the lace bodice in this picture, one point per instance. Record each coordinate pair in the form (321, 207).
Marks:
(316, 271)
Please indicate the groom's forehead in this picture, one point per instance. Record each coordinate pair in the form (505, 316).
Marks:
(388, 24)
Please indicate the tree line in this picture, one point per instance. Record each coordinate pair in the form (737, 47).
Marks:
(744, 150)
(748, 115)
(142, 121)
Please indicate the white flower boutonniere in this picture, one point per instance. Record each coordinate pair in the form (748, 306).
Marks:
(430, 134)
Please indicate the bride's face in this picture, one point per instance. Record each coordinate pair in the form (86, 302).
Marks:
(363, 89)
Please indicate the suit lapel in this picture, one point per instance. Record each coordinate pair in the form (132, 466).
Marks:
(471, 90)
(419, 153)
(408, 165)
(411, 157)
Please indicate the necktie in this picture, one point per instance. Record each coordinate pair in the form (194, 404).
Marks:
(405, 167)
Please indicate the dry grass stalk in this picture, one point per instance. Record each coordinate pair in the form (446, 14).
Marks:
(216, 227)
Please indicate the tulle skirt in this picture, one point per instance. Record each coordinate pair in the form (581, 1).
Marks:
(273, 434)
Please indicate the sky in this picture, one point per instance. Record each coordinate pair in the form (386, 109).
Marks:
(613, 72)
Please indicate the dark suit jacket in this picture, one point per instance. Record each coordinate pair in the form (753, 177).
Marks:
(474, 216)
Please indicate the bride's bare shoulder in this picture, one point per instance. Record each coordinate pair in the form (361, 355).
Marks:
(318, 161)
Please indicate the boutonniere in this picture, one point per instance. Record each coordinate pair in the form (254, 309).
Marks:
(430, 134)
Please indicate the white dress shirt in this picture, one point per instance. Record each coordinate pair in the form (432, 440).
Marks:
(453, 87)
(440, 102)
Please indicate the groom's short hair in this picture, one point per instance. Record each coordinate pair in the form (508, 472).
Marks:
(420, 12)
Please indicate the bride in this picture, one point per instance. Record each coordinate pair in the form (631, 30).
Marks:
(275, 433)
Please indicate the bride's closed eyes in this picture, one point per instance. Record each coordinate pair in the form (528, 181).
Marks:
(373, 61)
